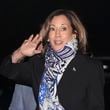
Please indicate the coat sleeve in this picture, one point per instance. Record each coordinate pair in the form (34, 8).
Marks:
(96, 87)
(20, 72)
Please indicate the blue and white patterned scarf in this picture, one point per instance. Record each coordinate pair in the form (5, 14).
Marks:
(55, 65)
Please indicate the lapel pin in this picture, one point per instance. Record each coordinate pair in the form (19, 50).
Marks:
(74, 69)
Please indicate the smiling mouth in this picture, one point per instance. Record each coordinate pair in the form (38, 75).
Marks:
(58, 42)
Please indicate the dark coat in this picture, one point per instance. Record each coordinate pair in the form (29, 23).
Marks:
(81, 87)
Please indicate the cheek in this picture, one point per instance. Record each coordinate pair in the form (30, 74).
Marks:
(67, 38)
(50, 38)
(51, 35)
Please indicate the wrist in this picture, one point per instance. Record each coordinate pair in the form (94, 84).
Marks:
(17, 56)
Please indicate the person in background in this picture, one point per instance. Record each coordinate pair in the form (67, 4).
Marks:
(23, 98)
(62, 76)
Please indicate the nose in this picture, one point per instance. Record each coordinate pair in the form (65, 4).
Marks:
(57, 33)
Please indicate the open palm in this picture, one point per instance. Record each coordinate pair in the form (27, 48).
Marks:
(31, 46)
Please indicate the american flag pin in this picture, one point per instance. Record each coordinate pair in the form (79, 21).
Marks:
(74, 69)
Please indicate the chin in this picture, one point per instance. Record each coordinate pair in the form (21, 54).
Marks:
(58, 48)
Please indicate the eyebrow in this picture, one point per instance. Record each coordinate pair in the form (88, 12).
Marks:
(54, 25)
(51, 25)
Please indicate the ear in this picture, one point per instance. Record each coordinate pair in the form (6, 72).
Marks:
(74, 36)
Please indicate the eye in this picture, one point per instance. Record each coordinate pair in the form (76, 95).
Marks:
(51, 29)
(63, 28)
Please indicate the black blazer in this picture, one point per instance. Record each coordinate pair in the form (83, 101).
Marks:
(81, 87)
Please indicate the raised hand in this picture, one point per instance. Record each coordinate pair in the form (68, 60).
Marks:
(31, 46)
(28, 48)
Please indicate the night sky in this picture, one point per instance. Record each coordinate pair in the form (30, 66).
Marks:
(20, 18)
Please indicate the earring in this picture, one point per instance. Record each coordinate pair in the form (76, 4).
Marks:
(74, 36)
(48, 40)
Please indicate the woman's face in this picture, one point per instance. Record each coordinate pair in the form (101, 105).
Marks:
(60, 32)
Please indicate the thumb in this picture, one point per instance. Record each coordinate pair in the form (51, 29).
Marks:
(37, 51)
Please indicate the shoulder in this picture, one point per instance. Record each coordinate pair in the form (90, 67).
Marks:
(89, 64)
(93, 67)
(88, 60)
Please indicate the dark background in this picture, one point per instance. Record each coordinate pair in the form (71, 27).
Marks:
(21, 18)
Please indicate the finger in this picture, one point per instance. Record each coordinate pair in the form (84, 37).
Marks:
(40, 47)
(37, 51)
(25, 41)
(37, 39)
(31, 37)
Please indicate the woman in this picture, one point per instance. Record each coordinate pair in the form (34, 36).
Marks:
(61, 75)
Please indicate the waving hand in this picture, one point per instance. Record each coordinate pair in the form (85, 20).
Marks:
(29, 47)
